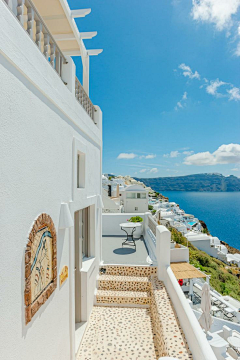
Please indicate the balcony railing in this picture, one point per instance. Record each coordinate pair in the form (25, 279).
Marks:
(152, 224)
(33, 23)
(83, 99)
(38, 31)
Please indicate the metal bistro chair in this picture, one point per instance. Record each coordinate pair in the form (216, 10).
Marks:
(228, 315)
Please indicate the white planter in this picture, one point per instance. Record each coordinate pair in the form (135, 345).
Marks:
(138, 232)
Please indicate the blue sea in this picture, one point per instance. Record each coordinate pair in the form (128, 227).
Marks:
(220, 211)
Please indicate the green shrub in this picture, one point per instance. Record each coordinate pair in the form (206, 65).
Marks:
(150, 207)
(135, 219)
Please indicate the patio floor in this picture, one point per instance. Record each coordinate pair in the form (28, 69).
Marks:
(114, 253)
(116, 333)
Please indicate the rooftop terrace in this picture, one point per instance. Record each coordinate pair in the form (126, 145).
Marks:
(114, 253)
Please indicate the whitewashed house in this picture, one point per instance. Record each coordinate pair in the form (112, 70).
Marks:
(134, 199)
(51, 145)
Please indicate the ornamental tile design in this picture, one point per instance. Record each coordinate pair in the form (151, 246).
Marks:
(128, 283)
(40, 265)
(128, 270)
(116, 333)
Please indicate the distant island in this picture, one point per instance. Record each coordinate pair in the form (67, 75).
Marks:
(197, 182)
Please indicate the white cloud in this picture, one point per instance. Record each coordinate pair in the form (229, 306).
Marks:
(235, 169)
(187, 72)
(234, 94)
(188, 152)
(154, 170)
(143, 170)
(172, 154)
(237, 52)
(181, 103)
(218, 12)
(150, 156)
(213, 87)
(126, 156)
(225, 154)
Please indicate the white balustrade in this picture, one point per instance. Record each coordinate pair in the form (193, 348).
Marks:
(83, 99)
(48, 46)
(42, 36)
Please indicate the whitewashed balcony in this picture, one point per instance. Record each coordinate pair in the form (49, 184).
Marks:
(35, 26)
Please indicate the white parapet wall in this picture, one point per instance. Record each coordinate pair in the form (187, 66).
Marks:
(180, 254)
(196, 339)
(110, 222)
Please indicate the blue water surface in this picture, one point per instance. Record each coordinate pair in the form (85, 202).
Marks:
(220, 211)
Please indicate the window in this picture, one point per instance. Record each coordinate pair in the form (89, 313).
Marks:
(141, 195)
(136, 208)
(131, 195)
(80, 170)
(82, 235)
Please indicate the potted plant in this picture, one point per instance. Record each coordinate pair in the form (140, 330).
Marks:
(139, 229)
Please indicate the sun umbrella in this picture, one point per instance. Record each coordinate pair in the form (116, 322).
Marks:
(206, 319)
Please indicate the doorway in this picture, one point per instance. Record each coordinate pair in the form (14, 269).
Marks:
(81, 238)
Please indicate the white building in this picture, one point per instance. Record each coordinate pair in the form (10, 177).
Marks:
(134, 199)
(51, 144)
(211, 245)
(51, 223)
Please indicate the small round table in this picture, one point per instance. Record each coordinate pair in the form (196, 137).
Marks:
(129, 225)
(234, 341)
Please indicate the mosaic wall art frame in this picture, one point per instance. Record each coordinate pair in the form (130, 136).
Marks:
(40, 265)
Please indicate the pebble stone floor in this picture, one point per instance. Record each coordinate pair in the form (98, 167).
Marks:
(116, 333)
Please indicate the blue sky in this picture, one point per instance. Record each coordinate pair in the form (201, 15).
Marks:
(168, 84)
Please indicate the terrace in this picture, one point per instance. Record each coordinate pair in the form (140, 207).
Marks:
(136, 292)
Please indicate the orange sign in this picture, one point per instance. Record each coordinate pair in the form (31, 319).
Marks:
(63, 275)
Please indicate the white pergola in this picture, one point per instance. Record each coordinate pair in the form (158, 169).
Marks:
(60, 22)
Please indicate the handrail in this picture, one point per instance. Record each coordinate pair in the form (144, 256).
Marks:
(42, 37)
(51, 50)
(152, 224)
(83, 99)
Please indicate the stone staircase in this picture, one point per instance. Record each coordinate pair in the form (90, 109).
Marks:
(124, 286)
(129, 299)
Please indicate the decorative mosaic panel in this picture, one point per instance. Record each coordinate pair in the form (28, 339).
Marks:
(40, 265)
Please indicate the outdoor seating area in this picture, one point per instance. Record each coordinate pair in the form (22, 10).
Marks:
(114, 252)
(220, 307)
(225, 343)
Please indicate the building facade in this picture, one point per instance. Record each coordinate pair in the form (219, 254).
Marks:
(51, 149)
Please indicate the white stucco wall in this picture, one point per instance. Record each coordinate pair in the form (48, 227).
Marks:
(40, 118)
(179, 254)
(204, 245)
(131, 204)
(110, 223)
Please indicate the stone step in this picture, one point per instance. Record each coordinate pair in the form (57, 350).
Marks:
(126, 283)
(109, 297)
(123, 270)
